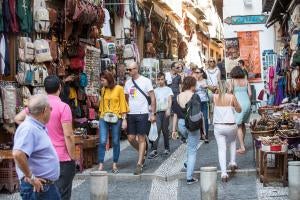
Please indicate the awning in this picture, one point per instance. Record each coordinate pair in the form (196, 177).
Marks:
(279, 9)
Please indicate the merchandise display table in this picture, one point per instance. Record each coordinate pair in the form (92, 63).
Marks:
(277, 172)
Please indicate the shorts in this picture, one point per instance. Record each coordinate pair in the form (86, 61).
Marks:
(138, 124)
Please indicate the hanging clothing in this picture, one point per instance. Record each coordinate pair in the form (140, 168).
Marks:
(6, 16)
(6, 60)
(2, 54)
(24, 15)
(1, 16)
(271, 79)
(280, 95)
(106, 31)
(14, 25)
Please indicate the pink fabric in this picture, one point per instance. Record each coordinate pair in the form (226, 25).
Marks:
(61, 113)
(271, 78)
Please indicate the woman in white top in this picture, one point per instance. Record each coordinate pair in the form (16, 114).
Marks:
(225, 128)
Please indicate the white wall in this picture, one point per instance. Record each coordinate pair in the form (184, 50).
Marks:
(266, 36)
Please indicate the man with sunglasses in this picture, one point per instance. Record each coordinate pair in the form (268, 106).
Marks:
(35, 157)
(213, 77)
(139, 94)
(60, 131)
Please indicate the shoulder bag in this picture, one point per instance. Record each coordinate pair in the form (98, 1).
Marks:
(109, 117)
(141, 91)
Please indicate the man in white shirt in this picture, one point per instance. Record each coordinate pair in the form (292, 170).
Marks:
(139, 94)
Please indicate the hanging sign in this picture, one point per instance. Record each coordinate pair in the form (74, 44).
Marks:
(246, 19)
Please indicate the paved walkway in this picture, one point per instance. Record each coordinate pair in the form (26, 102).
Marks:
(153, 185)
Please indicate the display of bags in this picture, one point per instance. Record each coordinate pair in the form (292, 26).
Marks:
(42, 51)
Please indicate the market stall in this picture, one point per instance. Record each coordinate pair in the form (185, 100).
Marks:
(276, 140)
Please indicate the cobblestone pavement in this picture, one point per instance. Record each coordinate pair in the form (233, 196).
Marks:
(241, 186)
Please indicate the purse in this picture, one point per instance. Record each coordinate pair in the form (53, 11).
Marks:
(109, 117)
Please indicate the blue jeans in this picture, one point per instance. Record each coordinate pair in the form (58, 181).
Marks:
(115, 129)
(204, 110)
(50, 191)
(193, 138)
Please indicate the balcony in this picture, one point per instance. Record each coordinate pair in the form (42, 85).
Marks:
(195, 8)
(173, 6)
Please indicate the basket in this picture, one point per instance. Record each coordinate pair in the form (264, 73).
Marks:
(267, 109)
(8, 175)
(262, 133)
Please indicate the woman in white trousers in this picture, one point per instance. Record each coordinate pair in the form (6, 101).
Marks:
(225, 128)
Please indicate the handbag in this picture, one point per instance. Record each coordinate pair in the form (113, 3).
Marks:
(143, 93)
(109, 117)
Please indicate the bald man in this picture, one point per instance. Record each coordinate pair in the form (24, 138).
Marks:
(140, 95)
(33, 151)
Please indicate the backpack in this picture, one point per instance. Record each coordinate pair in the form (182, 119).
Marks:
(25, 73)
(41, 17)
(40, 72)
(128, 52)
(42, 51)
(194, 116)
(26, 49)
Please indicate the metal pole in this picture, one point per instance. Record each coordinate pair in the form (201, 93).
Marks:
(98, 185)
(208, 183)
(294, 180)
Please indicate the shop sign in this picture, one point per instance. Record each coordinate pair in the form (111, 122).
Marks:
(246, 19)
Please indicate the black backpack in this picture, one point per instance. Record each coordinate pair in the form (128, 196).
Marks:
(194, 116)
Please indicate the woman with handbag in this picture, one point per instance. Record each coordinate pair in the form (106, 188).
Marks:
(112, 111)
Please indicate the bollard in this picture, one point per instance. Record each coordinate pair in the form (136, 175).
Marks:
(208, 183)
(294, 180)
(98, 185)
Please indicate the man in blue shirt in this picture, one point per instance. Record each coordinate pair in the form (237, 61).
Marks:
(35, 157)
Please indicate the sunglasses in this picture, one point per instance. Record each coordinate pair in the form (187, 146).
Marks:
(130, 69)
(198, 72)
(211, 61)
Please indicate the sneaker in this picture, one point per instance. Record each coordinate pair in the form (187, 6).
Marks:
(191, 181)
(153, 154)
(138, 170)
(206, 141)
(167, 152)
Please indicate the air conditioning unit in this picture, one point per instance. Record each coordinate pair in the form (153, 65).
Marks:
(248, 3)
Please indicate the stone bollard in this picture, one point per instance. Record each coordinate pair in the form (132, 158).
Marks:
(98, 185)
(208, 183)
(294, 180)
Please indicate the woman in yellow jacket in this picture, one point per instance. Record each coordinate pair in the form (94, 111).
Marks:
(112, 111)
